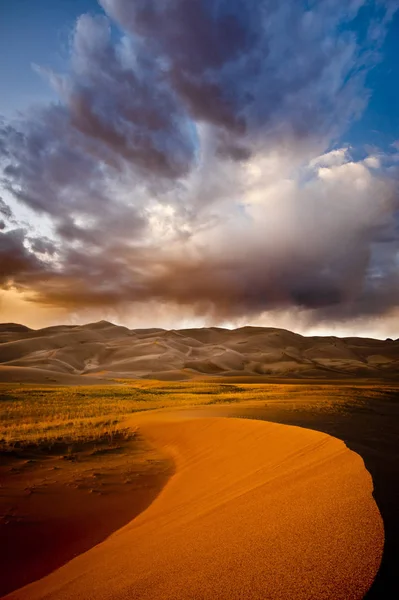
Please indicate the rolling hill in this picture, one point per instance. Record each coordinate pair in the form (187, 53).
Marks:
(85, 353)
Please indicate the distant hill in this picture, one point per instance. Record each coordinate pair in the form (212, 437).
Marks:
(85, 353)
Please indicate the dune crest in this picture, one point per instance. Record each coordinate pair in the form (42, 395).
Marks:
(73, 354)
(255, 510)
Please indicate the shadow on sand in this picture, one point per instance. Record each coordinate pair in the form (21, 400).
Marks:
(371, 429)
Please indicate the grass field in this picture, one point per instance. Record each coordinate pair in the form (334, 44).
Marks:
(33, 414)
(45, 415)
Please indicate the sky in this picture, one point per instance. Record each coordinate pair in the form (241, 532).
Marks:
(203, 163)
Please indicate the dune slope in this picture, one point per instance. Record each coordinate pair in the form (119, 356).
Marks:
(255, 510)
(73, 354)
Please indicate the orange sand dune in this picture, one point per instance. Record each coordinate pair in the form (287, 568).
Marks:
(255, 510)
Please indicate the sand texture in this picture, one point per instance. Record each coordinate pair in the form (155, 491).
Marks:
(255, 510)
(80, 354)
(56, 506)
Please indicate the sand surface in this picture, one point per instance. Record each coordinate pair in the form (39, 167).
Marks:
(255, 510)
(80, 354)
(55, 506)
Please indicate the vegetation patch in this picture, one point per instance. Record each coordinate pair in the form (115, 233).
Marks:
(47, 416)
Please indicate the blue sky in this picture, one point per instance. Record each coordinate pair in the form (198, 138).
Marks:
(379, 124)
(39, 33)
(34, 32)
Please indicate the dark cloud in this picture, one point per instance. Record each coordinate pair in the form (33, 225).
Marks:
(43, 246)
(181, 164)
(17, 263)
(250, 66)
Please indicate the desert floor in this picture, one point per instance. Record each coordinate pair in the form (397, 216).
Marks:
(215, 507)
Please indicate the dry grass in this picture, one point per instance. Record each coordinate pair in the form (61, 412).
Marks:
(34, 414)
(44, 415)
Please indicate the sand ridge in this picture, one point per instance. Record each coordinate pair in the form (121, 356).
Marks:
(82, 353)
(255, 510)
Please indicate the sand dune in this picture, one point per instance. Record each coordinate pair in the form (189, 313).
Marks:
(106, 350)
(36, 375)
(272, 512)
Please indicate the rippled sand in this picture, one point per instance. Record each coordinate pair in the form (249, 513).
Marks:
(254, 510)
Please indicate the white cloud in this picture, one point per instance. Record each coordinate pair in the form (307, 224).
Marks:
(331, 159)
(373, 162)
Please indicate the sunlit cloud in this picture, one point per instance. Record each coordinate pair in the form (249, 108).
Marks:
(192, 172)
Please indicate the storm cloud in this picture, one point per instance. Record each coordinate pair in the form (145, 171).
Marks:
(192, 161)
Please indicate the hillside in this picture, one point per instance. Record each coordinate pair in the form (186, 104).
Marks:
(102, 350)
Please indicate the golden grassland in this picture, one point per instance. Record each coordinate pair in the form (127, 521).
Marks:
(44, 415)
(34, 414)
